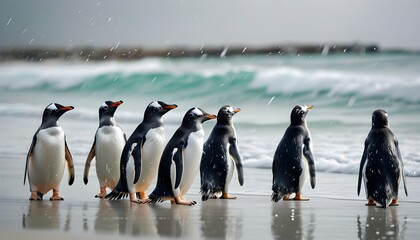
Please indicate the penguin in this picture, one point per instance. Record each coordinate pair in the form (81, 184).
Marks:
(47, 155)
(220, 157)
(107, 146)
(381, 165)
(293, 158)
(180, 160)
(139, 160)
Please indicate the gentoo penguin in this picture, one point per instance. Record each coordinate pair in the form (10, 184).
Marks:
(381, 165)
(220, 156)
(181, 159)
(140, 156)
(107, 147)
(293, 157)
(47, 155)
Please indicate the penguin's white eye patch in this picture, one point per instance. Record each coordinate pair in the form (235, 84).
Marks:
(229, 109)
(155, 104)
(197, 112)
(52, 107)
(104, 105)
(303, 108)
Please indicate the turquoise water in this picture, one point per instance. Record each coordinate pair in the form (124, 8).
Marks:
(345, 90)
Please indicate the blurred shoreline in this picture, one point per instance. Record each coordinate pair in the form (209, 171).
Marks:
(38, 54)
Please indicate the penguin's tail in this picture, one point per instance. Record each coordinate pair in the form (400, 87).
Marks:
(278, 192)
(208, 190)
(205, 191)
(384, 195)
(160, 196)
(119, 192)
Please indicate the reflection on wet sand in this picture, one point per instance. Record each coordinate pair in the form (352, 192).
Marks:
(219, 223)
(175, 221)
(288, 219)
(42, 215)
(125, 218)
(381, 224)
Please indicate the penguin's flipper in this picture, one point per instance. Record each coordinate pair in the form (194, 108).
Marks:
(29, 157)
(362, 164)
(89, 159)
(307, 153)
(70, 164)
(136, 153)
(402, 166)
(233, 150)
(178, 159)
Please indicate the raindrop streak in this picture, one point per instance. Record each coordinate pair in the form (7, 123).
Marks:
(118, 44)
(223, 54)
(8, 22)
(271, 100)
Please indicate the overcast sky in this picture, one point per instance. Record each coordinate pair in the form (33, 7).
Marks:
(159, 23)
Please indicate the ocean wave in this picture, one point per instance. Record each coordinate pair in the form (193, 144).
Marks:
(327, 78)
(332, 83)
(331, 165)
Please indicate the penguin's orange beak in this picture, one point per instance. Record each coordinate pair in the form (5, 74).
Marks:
(116, 104)
(211, 116)
(173, 106)
(310, 106)
(236, 110)
(66, 108)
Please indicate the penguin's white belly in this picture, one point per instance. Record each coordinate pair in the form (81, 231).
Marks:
(151, 153)
(192, 157)
(46, 168)
(305, 172)
(109, 145)
(230, 166)
(365, 180)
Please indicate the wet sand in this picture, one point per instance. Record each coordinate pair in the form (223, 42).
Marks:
(333, 212)
(248, 217)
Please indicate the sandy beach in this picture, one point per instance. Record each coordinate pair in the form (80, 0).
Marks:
(333, 212)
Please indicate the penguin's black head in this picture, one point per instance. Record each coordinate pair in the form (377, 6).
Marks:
(299, 113)
(158, 109)
(196, 116)
(108, 108)
(379, 119)
(54, 111)
(226, 113)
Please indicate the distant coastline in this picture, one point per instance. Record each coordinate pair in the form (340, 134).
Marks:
(86, 54)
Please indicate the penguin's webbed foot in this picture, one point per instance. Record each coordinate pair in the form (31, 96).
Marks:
(394, 203)
(298, 197)
(56, 196)
(102, 193)
(370, 203)
(35, 196)
(181, 201)
(227, 196)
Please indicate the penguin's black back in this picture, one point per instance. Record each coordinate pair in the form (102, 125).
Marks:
(214, 165)
(287, 158)
(382, 166)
